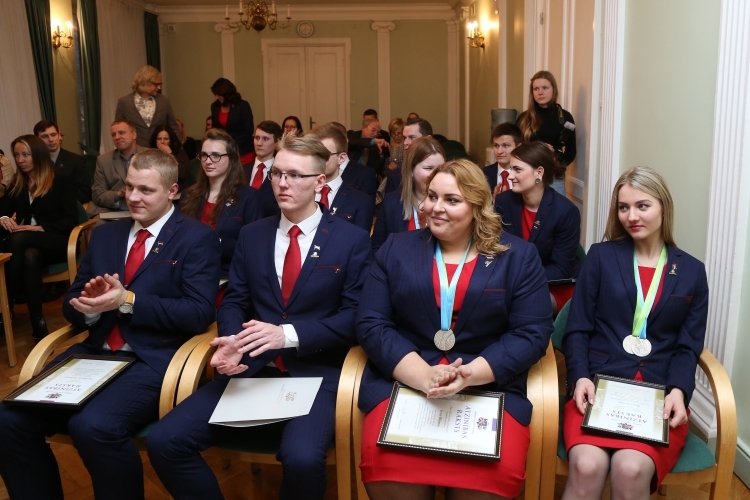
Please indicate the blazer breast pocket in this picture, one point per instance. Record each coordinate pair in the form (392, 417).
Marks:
(598, 357)
(677, 307)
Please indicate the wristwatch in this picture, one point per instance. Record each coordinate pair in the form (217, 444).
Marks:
(127, 306)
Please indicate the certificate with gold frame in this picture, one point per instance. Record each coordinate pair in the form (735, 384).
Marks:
(468, 424)
(629, 409)
(71, 383)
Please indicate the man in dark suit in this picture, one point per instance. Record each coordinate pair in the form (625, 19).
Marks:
(266, 139)
(294, 287)
(145, 107)
(108, 189)
(366, 146)
(355, 174)
(505, 138)
(342, 199)
(67, 164)
(413, 130)
(145, 286)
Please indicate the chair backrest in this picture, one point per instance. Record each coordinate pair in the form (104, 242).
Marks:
(580, 254)
(560, 322)
(82, 215)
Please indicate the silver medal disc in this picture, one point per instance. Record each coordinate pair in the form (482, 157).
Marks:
(627, 344)
(641, 347)
(445, 340)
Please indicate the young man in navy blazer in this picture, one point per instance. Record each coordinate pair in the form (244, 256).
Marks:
(505, 138)
(414, 128)
(355, 174)
(145, 286)
(339, 197)
(294, 287)
(266, 139)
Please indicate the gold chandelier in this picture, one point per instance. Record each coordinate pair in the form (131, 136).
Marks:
(257, 15)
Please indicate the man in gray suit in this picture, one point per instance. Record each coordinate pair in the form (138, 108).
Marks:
(108, 190)
(146, 107)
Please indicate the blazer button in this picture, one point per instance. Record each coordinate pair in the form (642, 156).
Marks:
(641, 363)
(284, 315)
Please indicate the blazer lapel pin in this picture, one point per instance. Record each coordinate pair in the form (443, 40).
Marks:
(673, 272)
(536, 224)
(333, 210)
(488, 261)
(158, 246)
(316, 249)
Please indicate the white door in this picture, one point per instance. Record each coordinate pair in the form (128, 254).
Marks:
(308, 79)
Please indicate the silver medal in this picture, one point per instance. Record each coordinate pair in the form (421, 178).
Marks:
(445, 340)
(627, 344)
(641, 347)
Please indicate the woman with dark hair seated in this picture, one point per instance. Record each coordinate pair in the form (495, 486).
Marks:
(292, 125)
(233, 114)
(46, 212)
(220, 197)
(639, 312)
(534, 211)
(165, 139)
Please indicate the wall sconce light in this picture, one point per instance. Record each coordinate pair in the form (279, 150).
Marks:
(61, 38)
(476, 37)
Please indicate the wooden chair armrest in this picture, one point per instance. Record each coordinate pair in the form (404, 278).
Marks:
(551, 424)
(73, 246)
(193, 369)
(4, 257)
(358, 419)
(174, 370)
(37, 358)
(343, 434)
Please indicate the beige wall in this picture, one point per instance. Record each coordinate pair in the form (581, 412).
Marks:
(66, 80)
(517, 87)
(668, 103)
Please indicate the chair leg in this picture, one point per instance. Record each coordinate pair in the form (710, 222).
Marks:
(663, 490)
(8, 326)
(255, 468)
(226, 463)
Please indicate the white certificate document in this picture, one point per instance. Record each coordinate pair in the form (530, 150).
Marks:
(464, 424)
(72, 382)
(247, 402)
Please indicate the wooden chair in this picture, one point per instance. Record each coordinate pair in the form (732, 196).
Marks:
(77, 243)
(696, 465)
(541, 375)
(53, 343)
(7, 324)
(256, 448)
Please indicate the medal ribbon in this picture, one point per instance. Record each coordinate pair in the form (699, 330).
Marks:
(448, 291)
(416, 219)
(643, 307)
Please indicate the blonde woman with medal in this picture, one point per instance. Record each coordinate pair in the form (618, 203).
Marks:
(639, 312)
(458, 303)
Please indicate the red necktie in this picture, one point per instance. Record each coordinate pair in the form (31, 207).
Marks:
(258, 179)
(324, 196)
(292, 266)
(504, 177)
(135, 258)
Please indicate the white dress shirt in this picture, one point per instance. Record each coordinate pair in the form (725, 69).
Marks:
(268, 163)
(343, 166)
(308, 227)
(335, 185)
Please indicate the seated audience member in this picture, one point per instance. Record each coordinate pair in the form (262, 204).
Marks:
(315, 264)
(396, 129)
(505, 138)
(209, 123)
(542, 216)
(624, 280)
(146, 108)
(266, 139)
(498, 336)
(413, 130)
(341, 199)
(221, 198)
(292, 125)
(163, 138)
(366, 146)
(355, 174)
(401, 210)
(45, 211)
(412, 115)
(108, 189)
(66, 164)
(232, 113)
(145, 286)
(189, 145)
(371, 113)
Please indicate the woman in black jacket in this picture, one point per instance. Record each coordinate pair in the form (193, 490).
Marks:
(46, 213)
(233, 114)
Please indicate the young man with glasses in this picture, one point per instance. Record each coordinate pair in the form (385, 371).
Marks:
(289, 309)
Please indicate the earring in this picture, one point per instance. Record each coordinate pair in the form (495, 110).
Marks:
(538, 180)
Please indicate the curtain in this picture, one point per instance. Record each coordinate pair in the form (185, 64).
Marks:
(37, 15)
(122, 41)
(18, 92)
(90, 74)
(151, 27)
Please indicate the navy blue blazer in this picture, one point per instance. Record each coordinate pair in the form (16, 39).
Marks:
(266, 198)
(323, 301)
(361, 177)
(390, 219)
(556, 232)
(393, 180)
(235, 214)
(506, 316)
(490, 172)
(353, 206)
(239, 124)
(601, 316)
(175, 287)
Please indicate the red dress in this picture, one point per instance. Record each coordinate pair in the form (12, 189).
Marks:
(504, 478)
(664, 458)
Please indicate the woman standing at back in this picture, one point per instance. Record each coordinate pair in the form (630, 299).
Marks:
(545, 120)
(233, 114)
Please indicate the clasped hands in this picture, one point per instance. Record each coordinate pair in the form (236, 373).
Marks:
(256, 338)
(446, 380)
(674, 402)
(10, 225)
(100, 294)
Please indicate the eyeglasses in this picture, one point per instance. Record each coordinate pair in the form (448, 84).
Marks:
(291, 177)
(214, 157)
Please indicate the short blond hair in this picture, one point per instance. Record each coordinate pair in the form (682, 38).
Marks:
(156, 159)
(145, 75)
(307, 145)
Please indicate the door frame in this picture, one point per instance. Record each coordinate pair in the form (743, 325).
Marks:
(267, 43)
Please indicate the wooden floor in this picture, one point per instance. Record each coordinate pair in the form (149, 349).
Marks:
(238, 481)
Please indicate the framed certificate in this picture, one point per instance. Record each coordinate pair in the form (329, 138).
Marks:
(628, 409)
(71, 383)
(467, 424)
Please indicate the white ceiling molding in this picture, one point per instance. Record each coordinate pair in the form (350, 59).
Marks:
(331, 12)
